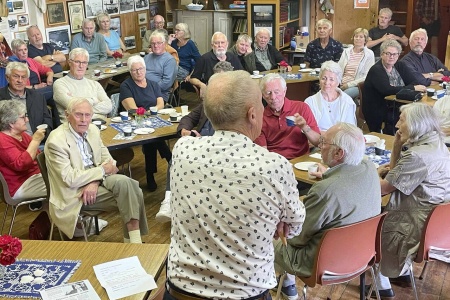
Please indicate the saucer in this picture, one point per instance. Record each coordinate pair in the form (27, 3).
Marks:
(256, 76)
(144, 130)
(304, 165)
(103, 127)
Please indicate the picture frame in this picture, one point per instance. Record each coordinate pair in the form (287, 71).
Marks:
(142, 30)
(115, 25)
(75, 10)
(141, 5)
(18, 7)
(126, 6)
(142, 18)
(23, 20)
(130, 42)
(59, 37)
(21, 35)
(56, 14)
(111, 7)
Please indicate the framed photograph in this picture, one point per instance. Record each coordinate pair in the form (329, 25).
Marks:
(115, 25)
(59, 37)
(18, 7)
(153, 8)
(93, 8)
(23, 20)
(111, 7)
(10, 6)
(12, 23)
(143, 30)
(21, 35)
(140, 4)
(126, 6)
(75, 11)
(130, 42)
(56, 13)
(142, 18)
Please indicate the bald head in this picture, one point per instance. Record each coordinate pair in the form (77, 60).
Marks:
(159, 22)
(233, 102)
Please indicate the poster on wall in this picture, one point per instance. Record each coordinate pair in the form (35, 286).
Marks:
(140, 4)
(126, 6)
(362, 3)
(75, 10)
(18, 7)
(93, 8)
(111, 6)
(59, 38)
(130, 42)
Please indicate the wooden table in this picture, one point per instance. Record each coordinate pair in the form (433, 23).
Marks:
(303, 175)
(151, 256)
(162, 133)
(425, 99)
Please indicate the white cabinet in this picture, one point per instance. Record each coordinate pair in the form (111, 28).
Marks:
(203, 24)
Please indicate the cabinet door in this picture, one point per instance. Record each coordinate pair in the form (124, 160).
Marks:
(223, 23)
(201, 27)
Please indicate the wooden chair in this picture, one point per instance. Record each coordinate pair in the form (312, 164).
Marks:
(92, 214)
(9, 201)
(435, 235)
(345, 253)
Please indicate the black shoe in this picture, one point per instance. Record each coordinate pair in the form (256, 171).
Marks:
(403, 281)
(384, 294)
(151, 183)
(35, 206)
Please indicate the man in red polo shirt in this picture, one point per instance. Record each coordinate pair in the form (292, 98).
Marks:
(276, 135)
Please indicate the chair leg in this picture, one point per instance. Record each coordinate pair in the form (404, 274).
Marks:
(362, 283)
(374, 271)
(4, 218)
(97, 231)
(80, 219)
(280, 285)
(423, 274)
(304, 291)
(13, 218)
(51, 232)
(413, 282)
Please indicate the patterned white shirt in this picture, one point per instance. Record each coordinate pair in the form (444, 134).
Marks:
(228, 195)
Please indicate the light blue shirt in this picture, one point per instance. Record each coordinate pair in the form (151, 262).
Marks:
(96, 47)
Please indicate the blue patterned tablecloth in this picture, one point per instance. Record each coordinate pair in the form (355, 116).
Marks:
(152, 122)
(55, 273)
(378, 159)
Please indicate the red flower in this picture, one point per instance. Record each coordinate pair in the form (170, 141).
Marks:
(446, 78)
(283, 64)
(10, 248)
(117, 55)
(140, 111)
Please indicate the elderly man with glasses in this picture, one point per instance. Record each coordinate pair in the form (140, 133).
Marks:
(76, 85)
(276, 135)
(90, 40)
(159, 22)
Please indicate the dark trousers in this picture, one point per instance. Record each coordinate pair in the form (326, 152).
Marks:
(150, 151)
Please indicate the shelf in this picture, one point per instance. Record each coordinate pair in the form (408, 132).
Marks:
(287, 22)
(399, 12)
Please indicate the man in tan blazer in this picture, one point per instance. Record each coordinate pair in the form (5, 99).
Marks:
(83, 173)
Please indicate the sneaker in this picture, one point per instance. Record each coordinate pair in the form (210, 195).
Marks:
(403, 281)
(101, 224)
(35, 206)
(163, 214)
(289, 292)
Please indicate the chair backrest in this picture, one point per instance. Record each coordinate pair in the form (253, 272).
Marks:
(40, 158)
(360, 111)
(4, 191)
(435, 232)
(115, 105)
(346, 251)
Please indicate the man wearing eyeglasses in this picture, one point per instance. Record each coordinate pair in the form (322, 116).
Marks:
(425, 68)
(90, 40)
(159, 24)
(276, 135)
(76, 85)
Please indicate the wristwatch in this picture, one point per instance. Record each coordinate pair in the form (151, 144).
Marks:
(306, 130)
(431, 74)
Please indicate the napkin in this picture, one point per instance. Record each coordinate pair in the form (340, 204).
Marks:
(316, 155)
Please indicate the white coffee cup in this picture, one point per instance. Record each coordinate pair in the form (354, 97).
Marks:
(256, 72)
(98, 124)
(312, 168)
(97, 72)
(42, 126)
(124, 115)
(153, 110)
(173, 116)
(184, 110)
(302, 66)
(142, 53)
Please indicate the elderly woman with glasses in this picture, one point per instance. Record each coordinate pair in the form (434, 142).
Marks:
(18, 160)
(112, 38)
(331, 105)
(383, 80)
(418, 179)
(138, 91)
(187, 51)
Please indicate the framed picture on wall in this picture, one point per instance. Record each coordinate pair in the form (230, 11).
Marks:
(115, 25)
(75, 11)
(130, 42)
(142, 18)
(59, 37)
(23, 20)
(21, 35)
(56, 13)
(140, 4)
(143, 30)
(126, 6)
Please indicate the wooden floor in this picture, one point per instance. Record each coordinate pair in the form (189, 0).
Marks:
(436, 285)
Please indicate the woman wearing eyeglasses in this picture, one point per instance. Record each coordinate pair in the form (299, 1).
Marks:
(383, 80)
(18, 160)
(138, 91)
(187, 50)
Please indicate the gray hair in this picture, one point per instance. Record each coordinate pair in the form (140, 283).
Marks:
(216, 34)
(160, 33)
(74, 102)
(10, 110)
(324, 22)
(31, 27)
(387, 11)
(420, 119)
(100, 16)
(15, 65)
(420, 30)
(184, 27)
(270, 77)
(223, 66)
(262, 30)
(227, 98)
(244, 38)
(134, 60)
(78, 51)
(351, 140)
(16, 43)
(363, 31)
(86, 21)
(333, 67)
(390, 43)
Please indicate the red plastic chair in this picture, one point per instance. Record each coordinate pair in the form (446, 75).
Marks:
(435, 235)
(345, 253)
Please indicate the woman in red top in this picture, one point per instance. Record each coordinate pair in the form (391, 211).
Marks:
(19, 150)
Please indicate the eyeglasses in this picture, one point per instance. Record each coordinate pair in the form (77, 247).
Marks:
(160, 22)
(82, 63)
(322, 141)
(156, 44)
(275, 92)
(218, 43)
(137, 70)
(24, 117)
(79, 115)
(391, 54)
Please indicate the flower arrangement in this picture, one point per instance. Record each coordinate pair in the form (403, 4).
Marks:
(117, 55)
(446, 79)
(140, 111)
(283, 64)
(10, 248)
